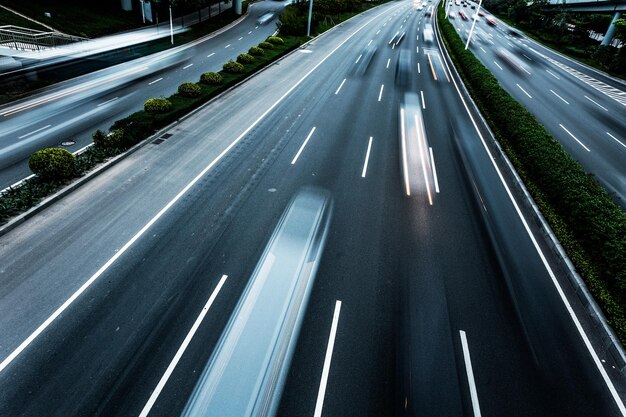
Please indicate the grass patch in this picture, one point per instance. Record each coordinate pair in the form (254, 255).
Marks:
(588, 223)
(10, 18)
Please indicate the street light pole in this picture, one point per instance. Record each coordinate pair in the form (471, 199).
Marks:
(308, 26)
(143, 12)
(171, 27)
(469, 38)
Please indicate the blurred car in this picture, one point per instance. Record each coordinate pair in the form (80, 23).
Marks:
(514, 33)
(404, 68)
(462, 14)
(428, 33)
(511, 60)
(491, 21)
(397, 38)
(264, 18)
(452, 15)
(481, 14)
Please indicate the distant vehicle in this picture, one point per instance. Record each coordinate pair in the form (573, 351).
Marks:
(514, 33)
(428, 33)
(462, 14)
(420, 7)
(491, 21)
(473, 7)
(457, 3)
(511, 60)
(451, 15)
(397, 38)
(428, 13)
(481, 14)
(265, 18)
(404, 69)
(464, 4)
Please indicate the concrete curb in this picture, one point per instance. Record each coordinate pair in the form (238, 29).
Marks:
(610, 340)
(21, 218)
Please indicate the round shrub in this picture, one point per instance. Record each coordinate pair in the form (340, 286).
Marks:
(255, 50)
(266, 45)
(53, 163)
(211, 78)
(115, 139)
(275, 40)
(157, 105)
(233, 67)
(189, 90)
(245, 59)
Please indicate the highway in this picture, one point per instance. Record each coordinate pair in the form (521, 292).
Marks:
(582, 108)
(441, 302)
(71, 111)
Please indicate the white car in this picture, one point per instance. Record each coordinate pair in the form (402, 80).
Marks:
(428, 33)
(452, 15)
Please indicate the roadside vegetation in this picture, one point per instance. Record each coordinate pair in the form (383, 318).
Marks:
(588, 223)
(10, 18)
(566, 32)
(55, 169)
(326, 14)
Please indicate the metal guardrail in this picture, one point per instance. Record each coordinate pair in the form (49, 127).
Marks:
(25, 39)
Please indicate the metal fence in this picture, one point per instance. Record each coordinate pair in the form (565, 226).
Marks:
(16, 37)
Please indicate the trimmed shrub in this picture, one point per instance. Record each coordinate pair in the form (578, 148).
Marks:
(275, 40)
(211, 78)
(234, 67)
(189, 90)
(157, 105)
(245, 59)
(115, 139)
(266, 45)
(255, 50)
(53, 164)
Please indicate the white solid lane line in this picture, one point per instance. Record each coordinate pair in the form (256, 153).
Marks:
(565, 101)
(17, 351)
(329, 356)
(187, 66)
(616, 139)
(597, 104)
(155, 81)
(552, 74)
(525, 92)
(107, 102)
(181, 349)
(380, 95)
(594, 356)
(295, 158)
(470, 374)
(423, 101)
(210, 55)
(388, 62)
(34, 131)
(497, 65)
(340, 85)
(367, 158)
(432, 162)
(575, 138)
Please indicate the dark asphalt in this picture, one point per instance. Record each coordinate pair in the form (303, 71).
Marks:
(411, 276)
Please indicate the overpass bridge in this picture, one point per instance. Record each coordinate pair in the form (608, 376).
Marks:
(595, 6)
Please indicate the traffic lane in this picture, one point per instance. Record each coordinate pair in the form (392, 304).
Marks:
(80, 110)
(158, 280)
(196, 150)
(253, 97)
(94, 332)
(550, 362)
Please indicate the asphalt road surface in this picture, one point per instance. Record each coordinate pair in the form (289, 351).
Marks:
(582, 108)
(71, 111)
(442, 302)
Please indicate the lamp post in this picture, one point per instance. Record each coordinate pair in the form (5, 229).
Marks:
(473, 24)
(308, 26)
(171, 26)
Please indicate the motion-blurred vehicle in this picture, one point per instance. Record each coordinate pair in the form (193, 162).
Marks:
(462, 14)
(481, 14)
(404, 70)
(428, 33)
(360, 67)
(514, 33)
(265, 18)
(397, 38)
(491, 21)
(511, 60)
(452, 15)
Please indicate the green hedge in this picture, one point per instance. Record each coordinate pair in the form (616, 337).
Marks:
(245, 59)
(234, 67)
(275, 40)
(53, 164)
(256, 51)
(266, 45)
(588, 223)
(189, 90)
(157, 105)
(211, 78)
